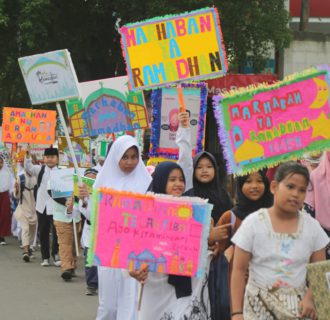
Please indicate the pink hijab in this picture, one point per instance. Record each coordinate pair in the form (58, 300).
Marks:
(318, 194)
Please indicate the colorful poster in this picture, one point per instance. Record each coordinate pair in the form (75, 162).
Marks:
(5, 149)
(103, 141)
(75, 109)
(36, 150)
(62, 182)
(166, 50)
(168, 233)
(165, 111)
(81, 147)
(88, 181)
(107, 106)
(49, 77)
(261, 127)
(27, 125)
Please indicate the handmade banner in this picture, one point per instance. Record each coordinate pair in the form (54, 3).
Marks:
(5, 149)
(318, 275)
(27, 125)
(75, 109)
(81, 147)
(234, 81)
(168, 233)
(107, 106)
(49, 77)
(103, 141)
(62, 182)
(173, 48)
(165, 123)
(36, 150)
(88, 181)
(263, 126)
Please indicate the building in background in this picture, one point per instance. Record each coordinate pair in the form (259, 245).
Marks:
(310, 47)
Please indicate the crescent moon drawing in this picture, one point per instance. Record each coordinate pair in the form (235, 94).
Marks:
(322, 95)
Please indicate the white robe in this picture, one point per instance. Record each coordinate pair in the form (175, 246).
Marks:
(160, 303)
(26, 209)
(6, 178)
(117, 290)
(159, 299)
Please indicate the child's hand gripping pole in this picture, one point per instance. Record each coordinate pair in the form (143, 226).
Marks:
(141, 276)
(75, 164)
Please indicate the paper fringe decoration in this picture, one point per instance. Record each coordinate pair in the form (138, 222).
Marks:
(170, 16)
(262, 87)
(156, 102)
(92, 259)
(253, 90)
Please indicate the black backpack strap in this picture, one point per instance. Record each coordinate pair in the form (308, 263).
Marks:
(40, 175)
(39, 179)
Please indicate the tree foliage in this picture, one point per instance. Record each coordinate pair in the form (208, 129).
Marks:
(88, 28)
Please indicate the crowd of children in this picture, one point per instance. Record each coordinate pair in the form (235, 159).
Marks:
(259, 242)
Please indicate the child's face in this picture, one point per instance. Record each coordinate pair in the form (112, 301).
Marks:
(51, 161)
(289, 194)
(91, 175)
(129, 160)
(254, 187)
(204, 171)
(175, 183)
(174, 119)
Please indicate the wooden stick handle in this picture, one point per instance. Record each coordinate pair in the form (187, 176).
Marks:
(140, 296)
(181, 100)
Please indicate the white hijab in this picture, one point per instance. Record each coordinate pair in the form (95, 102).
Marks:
(112, 176)
(6, 177)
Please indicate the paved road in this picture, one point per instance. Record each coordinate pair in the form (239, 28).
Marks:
(31, 292)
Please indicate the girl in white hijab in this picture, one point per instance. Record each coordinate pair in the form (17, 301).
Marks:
(123, 169)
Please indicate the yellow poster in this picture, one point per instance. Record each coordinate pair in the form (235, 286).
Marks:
(172, 49)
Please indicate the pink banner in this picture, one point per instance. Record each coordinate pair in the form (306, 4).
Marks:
(264, 126)
(164, 232)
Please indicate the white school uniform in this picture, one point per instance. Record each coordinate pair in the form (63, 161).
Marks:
(117, 290)
(44, 200)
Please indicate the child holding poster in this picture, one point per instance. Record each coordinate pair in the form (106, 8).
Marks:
(44, 203)
(64, 216)
(123, 169)
(90, 272)
(176, 297)
(275, 245)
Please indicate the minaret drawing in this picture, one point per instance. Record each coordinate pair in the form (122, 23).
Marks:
(115, 256)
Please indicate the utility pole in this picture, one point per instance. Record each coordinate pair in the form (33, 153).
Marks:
(304, 15)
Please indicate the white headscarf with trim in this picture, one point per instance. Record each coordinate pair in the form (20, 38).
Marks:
(112, 176)
(6, 177)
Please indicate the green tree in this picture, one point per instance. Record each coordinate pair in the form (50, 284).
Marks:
(89, 29)
(251, 28)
